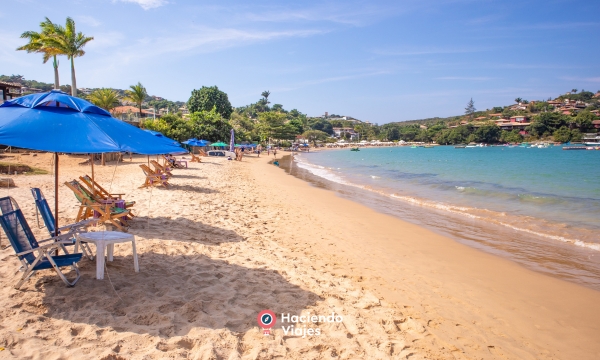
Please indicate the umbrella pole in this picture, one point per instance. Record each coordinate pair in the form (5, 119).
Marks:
(92, 161)
(55, 194)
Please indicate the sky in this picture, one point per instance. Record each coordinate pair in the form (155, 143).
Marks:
(378, 61)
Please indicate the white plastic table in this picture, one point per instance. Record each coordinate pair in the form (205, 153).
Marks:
(107, 240)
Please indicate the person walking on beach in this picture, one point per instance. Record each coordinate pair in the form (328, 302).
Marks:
(275, 153)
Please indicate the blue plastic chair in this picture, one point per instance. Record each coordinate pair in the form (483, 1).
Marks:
(43, 209)
(33, 256)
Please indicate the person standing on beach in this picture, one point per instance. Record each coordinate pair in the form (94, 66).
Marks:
(275, 153)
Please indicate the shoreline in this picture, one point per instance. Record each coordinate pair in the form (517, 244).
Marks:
(547, 246)
(215, 253)
(462, 292)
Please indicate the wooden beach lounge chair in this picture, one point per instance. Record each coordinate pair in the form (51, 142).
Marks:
(153, 178)
(90, 208)
(202, 152)
(42, 208)
(161, 169)
(100, 193)
(175, 163)
(195, 158)
(32, 254)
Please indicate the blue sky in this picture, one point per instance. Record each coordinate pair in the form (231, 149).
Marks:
(380, 61)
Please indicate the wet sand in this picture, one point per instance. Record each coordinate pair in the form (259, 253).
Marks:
(230, 239)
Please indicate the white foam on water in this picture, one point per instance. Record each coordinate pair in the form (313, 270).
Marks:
(464, 211)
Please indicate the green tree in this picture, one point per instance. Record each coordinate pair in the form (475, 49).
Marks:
(488, 133)
(38, 43)
(209, 97)
(315, 135)
(137, 94)
(321, 124)
(511, 136)
(272, 125)
(172, 126)
(518, 100)
(297, 125)
(470, 109)
(66, 40)
(265, 95)
(584, 119)
(105, 98)
(544, 124)
(210, 125)
(562, 135)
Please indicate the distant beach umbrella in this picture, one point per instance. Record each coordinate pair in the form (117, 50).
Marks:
(57, 122)
(219, 144)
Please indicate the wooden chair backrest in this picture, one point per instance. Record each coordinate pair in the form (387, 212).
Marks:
(148, 171)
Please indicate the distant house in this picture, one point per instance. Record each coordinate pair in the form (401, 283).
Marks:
(518, 118)
(597, 95)
(28, 90)
(337, 132)
(131, 113)
(85, 91)
(423, 127)
(480, 118)
(596, 124)
(496, 115)
(9, 90)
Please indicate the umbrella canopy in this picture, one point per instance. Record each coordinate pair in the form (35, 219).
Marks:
(162, 137)
(57, 122)
(195, 142)
(221, 144)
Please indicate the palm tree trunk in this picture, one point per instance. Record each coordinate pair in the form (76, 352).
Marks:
(73, 82)
(56, 83)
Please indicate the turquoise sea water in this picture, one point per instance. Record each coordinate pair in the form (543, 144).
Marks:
(538, 207)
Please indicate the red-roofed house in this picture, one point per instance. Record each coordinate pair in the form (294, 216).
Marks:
(518, 118)
(596, 124)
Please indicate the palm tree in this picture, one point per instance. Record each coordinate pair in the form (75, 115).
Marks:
(574, 91)
(266, 94)
(38, 43)
(105, 98)
(70, 43)
(518, 100)
(137, 94)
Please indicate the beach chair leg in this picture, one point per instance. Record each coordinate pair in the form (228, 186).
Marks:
(62, 276)
(136, 265)
(26, 275)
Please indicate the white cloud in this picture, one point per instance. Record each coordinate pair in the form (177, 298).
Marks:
(474, 78)
(148, 4)
(88, 20)
(429, 51)
(205, 40)
(331, 79)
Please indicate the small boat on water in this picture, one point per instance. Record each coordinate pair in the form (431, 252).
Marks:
(413, 147)
(428, 146)
(355, 149)
(460, 146)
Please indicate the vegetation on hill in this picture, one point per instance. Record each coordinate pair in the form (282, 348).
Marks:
(211, 117)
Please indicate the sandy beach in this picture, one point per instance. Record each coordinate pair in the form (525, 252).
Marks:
(230, 239)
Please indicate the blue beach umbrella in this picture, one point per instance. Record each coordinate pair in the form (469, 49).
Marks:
(60, 123)
(196, 142)
(161, 137)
